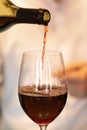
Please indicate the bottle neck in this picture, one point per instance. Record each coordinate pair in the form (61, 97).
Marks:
(34, 16)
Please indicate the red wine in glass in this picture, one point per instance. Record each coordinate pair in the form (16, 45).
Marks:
(42, 107)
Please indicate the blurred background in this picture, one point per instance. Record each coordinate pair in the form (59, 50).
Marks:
(67, 32)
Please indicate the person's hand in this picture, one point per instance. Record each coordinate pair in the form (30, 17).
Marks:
(77, 78)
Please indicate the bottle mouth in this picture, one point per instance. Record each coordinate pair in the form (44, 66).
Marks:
(45, 16)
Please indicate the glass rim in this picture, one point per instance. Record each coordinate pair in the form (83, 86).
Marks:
(40, 51)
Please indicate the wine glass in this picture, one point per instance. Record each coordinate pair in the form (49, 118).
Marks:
(42, 87)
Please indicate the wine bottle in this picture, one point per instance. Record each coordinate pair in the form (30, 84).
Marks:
(12, 14)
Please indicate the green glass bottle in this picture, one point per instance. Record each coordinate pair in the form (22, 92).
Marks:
(12, 14)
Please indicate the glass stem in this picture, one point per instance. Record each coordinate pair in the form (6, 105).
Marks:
(43, 127)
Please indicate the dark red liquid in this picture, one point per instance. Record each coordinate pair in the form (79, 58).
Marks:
(40, 106)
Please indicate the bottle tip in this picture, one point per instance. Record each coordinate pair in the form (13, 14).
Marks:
(47, 16)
